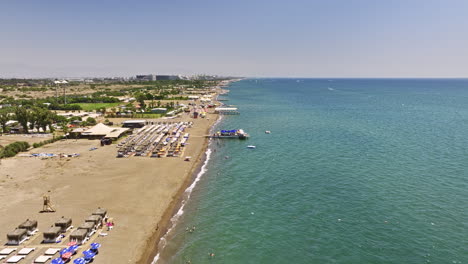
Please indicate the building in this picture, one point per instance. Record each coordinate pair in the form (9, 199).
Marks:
(147, 77)
(167, 77)
(134, 123)
(100, 131)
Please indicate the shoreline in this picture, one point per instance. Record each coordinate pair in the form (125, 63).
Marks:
(152, 249)
(165, 225)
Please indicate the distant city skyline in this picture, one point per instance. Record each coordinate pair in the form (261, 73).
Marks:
(257, 38)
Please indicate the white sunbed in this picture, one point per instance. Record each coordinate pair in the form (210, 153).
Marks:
(52, 251)
(42, 259)
(2, 257)
(15, 259)
(26, 251)
(7, 251)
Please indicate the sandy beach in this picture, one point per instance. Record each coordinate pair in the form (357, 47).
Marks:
(140, 193)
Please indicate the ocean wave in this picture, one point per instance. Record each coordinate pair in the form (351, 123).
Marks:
(180, 212)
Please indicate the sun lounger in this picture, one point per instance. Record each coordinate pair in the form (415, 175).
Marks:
(7, 251)
(15, 259)
(26, 251)
(42, 259)
(2, 257)
(52, 251)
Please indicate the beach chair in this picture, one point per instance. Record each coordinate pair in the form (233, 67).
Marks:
(15, 259)
(2, 257)
(42, 259)
(26, 251)
(7, 251)
(52, 251)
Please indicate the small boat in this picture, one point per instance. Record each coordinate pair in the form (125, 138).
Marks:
(251, 147)
(268, 132)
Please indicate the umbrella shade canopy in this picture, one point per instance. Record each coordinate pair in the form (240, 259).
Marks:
(95, 245)
(79, 261)
(63, 251)
(72, 248)
(57, 261)
(88, 254)
(67, 255)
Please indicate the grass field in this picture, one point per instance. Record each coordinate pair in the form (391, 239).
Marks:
(94, 106)
(149, 115)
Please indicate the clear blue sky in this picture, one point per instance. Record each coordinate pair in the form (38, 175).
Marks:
(296, 38)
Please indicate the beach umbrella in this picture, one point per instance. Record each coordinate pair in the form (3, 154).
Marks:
(72, 248)
(95, 246)
(63, 251)
(72, 243)
(88, 255)
(67, 255)
(79, 261)
(57, 261)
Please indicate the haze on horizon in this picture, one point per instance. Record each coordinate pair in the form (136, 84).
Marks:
(299, 38)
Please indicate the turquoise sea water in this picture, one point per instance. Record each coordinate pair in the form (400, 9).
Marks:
(354, 171)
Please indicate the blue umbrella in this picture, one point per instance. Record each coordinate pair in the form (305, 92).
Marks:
(57, 261)
(63, 251)
(95, 246)
(79, 261)
(88, 255)
(73, 248)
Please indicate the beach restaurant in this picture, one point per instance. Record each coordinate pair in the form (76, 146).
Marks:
(100, 131)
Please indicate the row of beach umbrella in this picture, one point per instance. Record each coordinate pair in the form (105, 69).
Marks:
(67, 253)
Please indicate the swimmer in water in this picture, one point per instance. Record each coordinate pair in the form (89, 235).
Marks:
(212, 254)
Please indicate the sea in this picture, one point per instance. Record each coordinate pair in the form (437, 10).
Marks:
(353, 171)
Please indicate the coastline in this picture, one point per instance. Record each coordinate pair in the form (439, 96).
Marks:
(141, 194)
(166, 224)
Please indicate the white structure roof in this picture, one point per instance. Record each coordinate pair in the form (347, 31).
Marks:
(7, 251)
(15, 259)
(103, 130)
(25, 251)
(52, 251)
(42, 259)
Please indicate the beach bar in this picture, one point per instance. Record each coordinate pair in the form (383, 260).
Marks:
(52, 234)
(78, 236)
(30, 226)
(17, 236)
(64, 224)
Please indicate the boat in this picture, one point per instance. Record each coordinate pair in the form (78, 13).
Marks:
(251, 146)
(236, 133)
(268, 132)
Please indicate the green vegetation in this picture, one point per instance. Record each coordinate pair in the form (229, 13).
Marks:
(12, 149)
(147, 115)
(49, 141)
(96, 106)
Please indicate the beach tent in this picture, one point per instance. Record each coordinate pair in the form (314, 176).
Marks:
(52, 234)
(17, 236)
(63, 223)
(100, 130)
(29, 225)
(100, 211)
(88, 226)
(96, 219)
(79, 235)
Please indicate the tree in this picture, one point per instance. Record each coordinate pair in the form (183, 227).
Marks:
(141, 99)
(91, 121)
(4, 117)
(22, 115)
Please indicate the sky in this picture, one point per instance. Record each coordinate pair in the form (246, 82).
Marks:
(252, 38)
